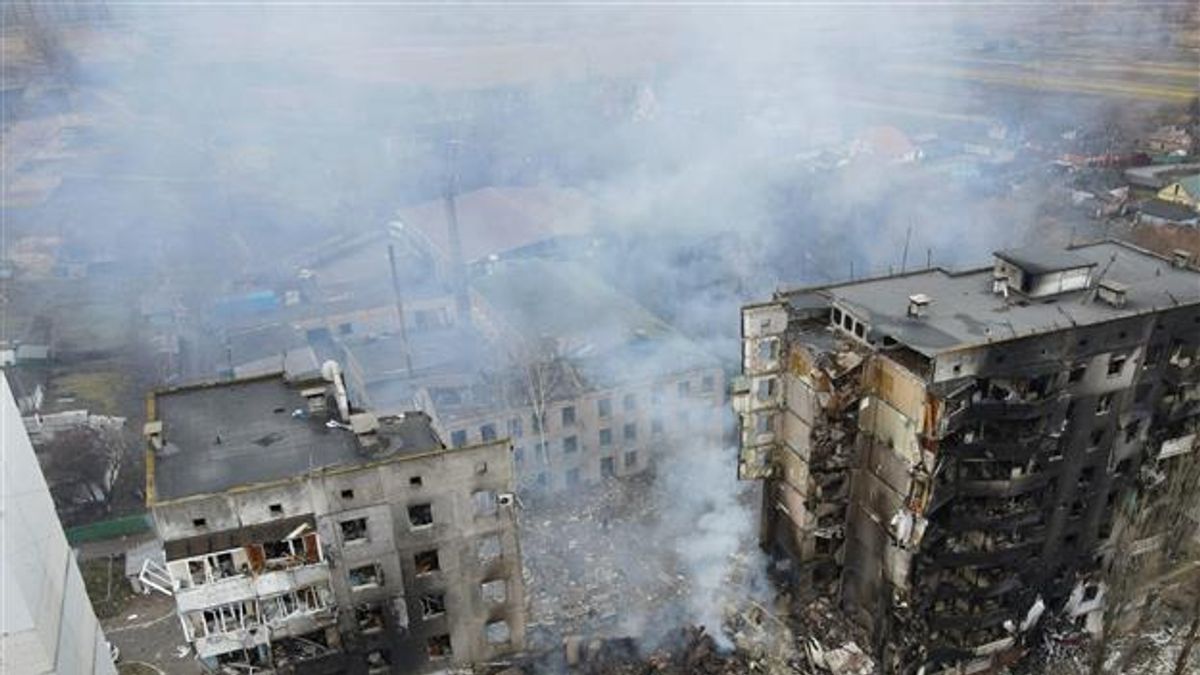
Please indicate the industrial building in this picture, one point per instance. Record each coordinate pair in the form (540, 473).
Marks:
(958, 454)
(305, 535)
(47, 625)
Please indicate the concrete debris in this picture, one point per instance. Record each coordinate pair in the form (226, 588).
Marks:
(849, 660)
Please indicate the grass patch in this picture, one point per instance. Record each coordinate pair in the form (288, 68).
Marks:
(106, 585)
(102, 392)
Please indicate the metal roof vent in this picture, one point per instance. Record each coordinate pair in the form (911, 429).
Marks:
(918, 305)
(1112, 292)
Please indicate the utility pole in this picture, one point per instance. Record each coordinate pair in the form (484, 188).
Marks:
(458, 272)
(400, 310)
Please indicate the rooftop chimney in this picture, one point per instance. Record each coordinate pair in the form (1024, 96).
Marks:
(918, 304)
(1180, 258)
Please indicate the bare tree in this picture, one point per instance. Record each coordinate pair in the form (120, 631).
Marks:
(83, 460)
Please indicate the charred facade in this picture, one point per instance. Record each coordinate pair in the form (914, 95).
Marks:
(953, 453)
(305, 536)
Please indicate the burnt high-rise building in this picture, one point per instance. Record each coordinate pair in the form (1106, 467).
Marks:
(959, 455)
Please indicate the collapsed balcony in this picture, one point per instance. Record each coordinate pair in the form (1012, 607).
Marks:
(989, 548)
(976, 582)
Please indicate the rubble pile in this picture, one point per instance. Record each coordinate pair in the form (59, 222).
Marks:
(583, 566)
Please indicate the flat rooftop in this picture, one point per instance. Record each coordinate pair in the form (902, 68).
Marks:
(222, 435)
(965, 312)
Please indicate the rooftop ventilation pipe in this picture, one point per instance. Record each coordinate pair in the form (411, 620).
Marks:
(918, 305)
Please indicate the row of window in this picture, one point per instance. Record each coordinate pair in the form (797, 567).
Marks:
(241, 615)
(567, 414)
(420, 516)
(573, 476)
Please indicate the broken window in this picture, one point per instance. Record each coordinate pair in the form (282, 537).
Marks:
(488, 549)
(485, 503)
(629, 402)
(369, 617)
(487, 432)
(568, 416)
(433, 605)
(426, 562)
(276, 509)
(605, 437)
(198, 572)
(438, 647)
(420, 515)
(630, 459)
(494, 591)
(570, 444)
(497, 632)
(608, 467)
(630, 432)
(354, 530)
(364, 576)
(1078, 371)
(766, 389)
(1116, 363)
(199, 522)
(514, 427)
(309, 598)
(347, 494)
(768, 349)
(458, 438)
(604, 407)
(224, 565)
(1131, 430)
(1104, 404)
(415, 481)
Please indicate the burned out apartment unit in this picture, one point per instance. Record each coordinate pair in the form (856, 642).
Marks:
(954, 452)
(305, 535)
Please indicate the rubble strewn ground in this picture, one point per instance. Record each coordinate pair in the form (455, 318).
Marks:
(610, 594)
(583, 564)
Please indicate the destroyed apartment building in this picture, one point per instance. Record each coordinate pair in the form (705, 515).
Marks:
(955, 453)
(305, 535)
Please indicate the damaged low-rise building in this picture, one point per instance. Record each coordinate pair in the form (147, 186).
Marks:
(582, 400)
(951, 452)
(303, 535)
